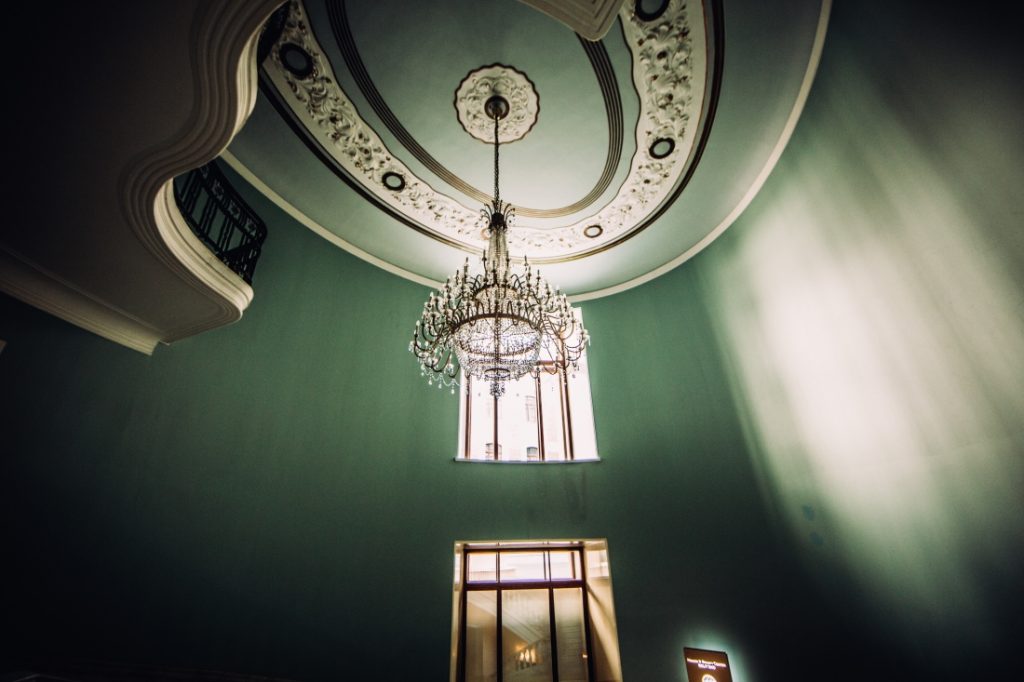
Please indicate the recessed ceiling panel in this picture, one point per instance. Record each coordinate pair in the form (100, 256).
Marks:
(382, 102)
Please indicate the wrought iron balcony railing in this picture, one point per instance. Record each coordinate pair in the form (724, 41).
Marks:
(219, 217)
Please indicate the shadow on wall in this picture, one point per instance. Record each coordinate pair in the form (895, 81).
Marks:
(870, 302)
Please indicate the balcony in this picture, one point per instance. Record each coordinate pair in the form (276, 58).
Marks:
(96, 236)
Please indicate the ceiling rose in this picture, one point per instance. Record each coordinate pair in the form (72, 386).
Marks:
(649, 147)
(481, 84)
(496, 326)
(669, 64)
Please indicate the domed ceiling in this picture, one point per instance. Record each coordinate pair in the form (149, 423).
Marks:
(622, 156)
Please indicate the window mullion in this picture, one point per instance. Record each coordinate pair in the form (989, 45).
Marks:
(586, 616)
(469, 417)
(539, 406)
(567, 413)
(497, 575)
(497, 446)
(460, 665)
(561, 403)
(554, 643)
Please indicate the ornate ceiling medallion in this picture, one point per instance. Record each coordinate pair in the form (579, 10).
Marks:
(603, 70)
(481, 84)
(670, 68)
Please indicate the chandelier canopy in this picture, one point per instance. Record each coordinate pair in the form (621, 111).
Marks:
(500, 324)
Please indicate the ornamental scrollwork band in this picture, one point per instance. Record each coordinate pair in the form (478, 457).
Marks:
(670, 65)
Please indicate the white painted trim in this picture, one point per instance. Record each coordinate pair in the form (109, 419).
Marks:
(671, 97)
(591, 20)
(316, 227)
(769, 166)
(222, 43)
(223, 56)
(34, 285)
(787, 132)
(196, 263)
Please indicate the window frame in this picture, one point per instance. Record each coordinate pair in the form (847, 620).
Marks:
(566, 376)
(498, 586)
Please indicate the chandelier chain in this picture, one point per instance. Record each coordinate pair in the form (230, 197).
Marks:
(497, 143)
(501, 324)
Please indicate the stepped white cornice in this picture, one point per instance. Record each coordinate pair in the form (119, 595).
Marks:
(165, 87)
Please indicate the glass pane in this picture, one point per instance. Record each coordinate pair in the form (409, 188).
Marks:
(569, 635)
(565, 565)
(481, 432)
(522, 566)
(516, 433)
(597, 563)
(581, 411)
(551, 409)
(525, 635)
(481, 567)
(481, 636)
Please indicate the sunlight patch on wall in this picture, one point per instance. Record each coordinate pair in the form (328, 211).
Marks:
(876, 339)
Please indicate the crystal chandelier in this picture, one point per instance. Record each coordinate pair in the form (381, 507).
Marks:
(496, 326)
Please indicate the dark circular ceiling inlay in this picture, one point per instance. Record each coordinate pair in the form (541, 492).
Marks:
(393, 181)
(649, 10)
(296, 60)
(593, 231)
(662, 147)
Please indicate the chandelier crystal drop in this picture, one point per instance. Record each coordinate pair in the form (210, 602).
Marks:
(500, 324)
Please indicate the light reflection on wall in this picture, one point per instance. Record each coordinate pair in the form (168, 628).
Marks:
(870, 307)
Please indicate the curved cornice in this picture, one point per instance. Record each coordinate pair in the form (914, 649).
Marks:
(36, 285)
(742, 149)
(670, 71)
(787, 132)
(223, 62)
(115, 256)
(319, 229)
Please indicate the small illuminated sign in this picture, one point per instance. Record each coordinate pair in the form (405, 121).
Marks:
(707, 666)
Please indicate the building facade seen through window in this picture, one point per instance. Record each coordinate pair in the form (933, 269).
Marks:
(546, 416)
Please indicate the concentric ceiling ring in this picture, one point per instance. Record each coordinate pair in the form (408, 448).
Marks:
(603, 71)
(669, 70)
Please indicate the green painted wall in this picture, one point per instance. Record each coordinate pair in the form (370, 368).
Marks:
(868, 309)
(279, 497)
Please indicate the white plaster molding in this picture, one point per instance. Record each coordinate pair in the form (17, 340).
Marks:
(497, 80)
(194, 262)
(669, 71)
(42, 289)
(223, 49)
(590, 19)
(135, 248)
(319, 229)
(780, 145)
(325, 109)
